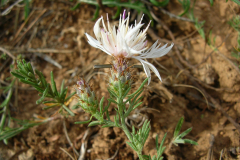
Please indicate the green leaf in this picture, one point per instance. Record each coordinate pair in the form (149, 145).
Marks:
(190, 141)
(54, 88)
(126, 92)
(29, 66)
(133, 130)
(130, 108)
(178, 127)
(106, 108)
(107, 126)
(236, 1)
(83, 122)
(112, 93)
(113, 101)
(132, 146)
(31, 75)
(161, 148)
(68, 110)
(156, 141)
(26, 9)
(76, 6)
(147, 157)
(159, 4)
(178, 141)
(63, 91)
(186, 5)
(101, 105)
(119, 9)
(96, 13)
(70, 96)
(33, 84)
(211, 2)
(43, 81)
(137, 105)
(107, 114)
(17, 75)
(184, 133)
(21, 68)
(94, 123)
(63, 95)
(136, 96)
(142, 85)
(43, 96)
(116, 120)
(62, 88)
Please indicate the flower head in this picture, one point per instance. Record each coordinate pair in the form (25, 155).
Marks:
(127, 42)
(120, 75)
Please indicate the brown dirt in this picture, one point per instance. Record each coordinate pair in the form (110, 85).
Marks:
(63, 29)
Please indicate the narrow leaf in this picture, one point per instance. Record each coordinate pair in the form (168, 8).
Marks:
(68, 110)
(54, 88)
(132, 146)
(178, 127)
(156, 142)
(137, 105)
(101, 105)
(43, 96)
(145, 81)
(190, 141)
(70, 96)
(94, 123)
(83, 122)
(17, 75)
(184, 133)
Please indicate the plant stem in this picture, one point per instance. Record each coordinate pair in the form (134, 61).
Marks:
(124, 126)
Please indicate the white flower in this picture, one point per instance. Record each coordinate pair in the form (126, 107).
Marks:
(127, 42)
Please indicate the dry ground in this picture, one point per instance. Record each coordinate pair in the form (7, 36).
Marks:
(189, 68)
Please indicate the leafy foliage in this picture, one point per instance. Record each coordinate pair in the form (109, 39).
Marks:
(177, 138)
(139, 138)
(26, 75)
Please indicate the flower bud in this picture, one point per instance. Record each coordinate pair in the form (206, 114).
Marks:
(86, 96)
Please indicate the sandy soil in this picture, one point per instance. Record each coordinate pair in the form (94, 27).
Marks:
(190, 71)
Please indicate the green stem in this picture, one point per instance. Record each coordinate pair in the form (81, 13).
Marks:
(124, 126)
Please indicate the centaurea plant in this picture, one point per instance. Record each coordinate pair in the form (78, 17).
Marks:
(124, 43)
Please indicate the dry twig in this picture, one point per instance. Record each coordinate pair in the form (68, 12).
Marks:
(68, 139)
(67, 153)
(8, 53)
(210, 150)
(30, 26)
(83, 148)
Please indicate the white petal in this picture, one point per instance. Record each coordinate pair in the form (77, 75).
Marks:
(93, 42)
(146, 66)
(157, 52)
(97, 29)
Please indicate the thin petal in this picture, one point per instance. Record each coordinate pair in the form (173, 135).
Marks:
(97, 29)
(146, 66)
(93, 42)
(157, 52)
